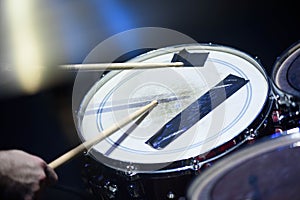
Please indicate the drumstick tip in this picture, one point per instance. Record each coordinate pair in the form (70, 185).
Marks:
(155, 102)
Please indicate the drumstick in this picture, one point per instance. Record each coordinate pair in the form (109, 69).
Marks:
(107, 132)
(120, 66)
(180, 59)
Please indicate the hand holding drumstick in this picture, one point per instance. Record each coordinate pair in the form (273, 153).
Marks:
(23, 176)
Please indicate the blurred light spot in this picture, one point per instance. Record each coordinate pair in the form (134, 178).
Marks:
(24, 42)
(116, 15)
(117, 18)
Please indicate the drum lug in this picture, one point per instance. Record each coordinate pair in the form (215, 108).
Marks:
(130, 170)
(251, 134)
(196, 164)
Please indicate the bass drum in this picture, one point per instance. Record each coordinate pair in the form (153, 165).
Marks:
(229, 94)
(286, 84)
(267, 170)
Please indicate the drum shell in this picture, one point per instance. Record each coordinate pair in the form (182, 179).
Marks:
(108, 181)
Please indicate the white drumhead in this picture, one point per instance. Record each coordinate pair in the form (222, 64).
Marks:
(121, 93)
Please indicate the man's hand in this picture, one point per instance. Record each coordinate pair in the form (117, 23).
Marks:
(22, 175)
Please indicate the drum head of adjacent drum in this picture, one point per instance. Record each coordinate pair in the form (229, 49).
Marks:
(286, 72)
(268, 170)
(120, 93)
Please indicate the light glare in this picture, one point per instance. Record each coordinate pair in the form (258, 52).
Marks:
(24, 43)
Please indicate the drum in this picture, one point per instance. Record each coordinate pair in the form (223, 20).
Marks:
(266, 170)
(286, 84)
(204, 112)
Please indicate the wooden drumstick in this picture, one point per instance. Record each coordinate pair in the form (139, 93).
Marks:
(120, 66)
(107, 132)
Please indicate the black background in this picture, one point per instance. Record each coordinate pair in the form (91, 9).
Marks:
(42, 123)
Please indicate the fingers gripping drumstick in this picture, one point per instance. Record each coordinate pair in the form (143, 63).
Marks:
(107, 132)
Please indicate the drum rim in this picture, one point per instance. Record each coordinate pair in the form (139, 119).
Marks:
(279, 65)
(246, 134)
(200, 187)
